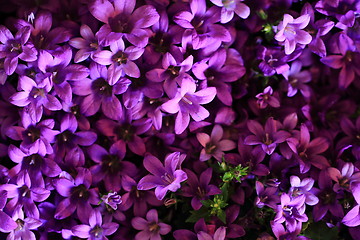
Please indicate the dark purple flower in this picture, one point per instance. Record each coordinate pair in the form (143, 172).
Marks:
(222, 68)
(95, 229)
(352, 138)
(77, 195)
(14, 48)
(110, 166)
(228, 7)
(308, 151)
(348, 61)
(199, 188)
(290, 32)
(267, 137)
(122, 20)
(214, 145)
(150, 228)
(266, 196)
(163, 177)
(187, 102)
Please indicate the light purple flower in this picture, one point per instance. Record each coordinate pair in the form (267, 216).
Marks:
(228, 7)
(267, 98)
(163, 177)
(187, 102)
(297, 80)
(24, 225)
(303, 187)
(290, 32)
(120, 60)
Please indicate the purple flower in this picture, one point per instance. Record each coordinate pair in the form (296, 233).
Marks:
(150, 227)
(24, 225)
(348, 61)
(77, 195)
(281, 233)
(303, 187)
(23, 194)
(296, 80)
(16, 47)
(110, 166)
(199, 189)
(352, 218)
(35, 94)
(163, 177)
(266, 197)
(352, 138)
(200, 25)
(267, 137)
(214, 145)
(112, 199)
(96, 229)
(7, 224)
(266, 98)
(98, 92)
(172, 73)
(187, 102)
(228, 7)
(222, 68)
(122, 20)
(120, 60)
(290, 32)
(291, 211)
(87, 45)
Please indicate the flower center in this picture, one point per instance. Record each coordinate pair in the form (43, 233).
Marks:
(32, 134)
(96, 231)
(154, 227)
(102, 87)
(20, 224)
(167, 178)
(37, 92)
(120, 58)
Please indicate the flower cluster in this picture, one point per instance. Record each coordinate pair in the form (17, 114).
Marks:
(179, 119)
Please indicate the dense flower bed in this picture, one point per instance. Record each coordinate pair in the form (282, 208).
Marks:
(193, 119)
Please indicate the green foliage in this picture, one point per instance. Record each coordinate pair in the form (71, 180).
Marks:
(320, 231)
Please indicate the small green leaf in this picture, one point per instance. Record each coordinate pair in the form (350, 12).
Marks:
(222, 216)
(203, 212)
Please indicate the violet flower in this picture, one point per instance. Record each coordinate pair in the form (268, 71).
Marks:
(150, 227)
(267, 137)
(14, 48)
(297, 80)
(352, 137)
(266, 196)
(24, 226)
(291, 211)
(214, 145)
(7, 224)
(112, 199)
(163, 177)
(267, 98)
(35, 94)
(352, 218)
(303, 187)
(120, 60)
(290, 32)
(200, 25)
(199, 188)
(122, 20)
(87, 44)
(77, 195)
(96, 229)
(98, 92)
(187, 102)
(228, 7)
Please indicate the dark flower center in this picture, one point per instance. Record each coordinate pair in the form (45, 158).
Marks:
(32, 134)
(119, 57)
(102, 87)
(16, 47)
(65, 137)
(120, 24)
(348, 57)
(75, 110)
(96, 231)
(267, 140)
(174, 70)
(201, 193)
(161, 42)
(167, 179)
(210, 148)
(37, 92)
(20, 224)
(94, 45)
(125, 132)
(111, 163)
(293, 81)
(198, 24)
(327, 196)
(154, 227)
(344, 182)
(32, 161)
(210, 74)
(80, 192)
(24, 192)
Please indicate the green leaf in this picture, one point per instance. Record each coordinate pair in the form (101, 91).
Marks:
(203, 212)
(222, 216)
(320, 231)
